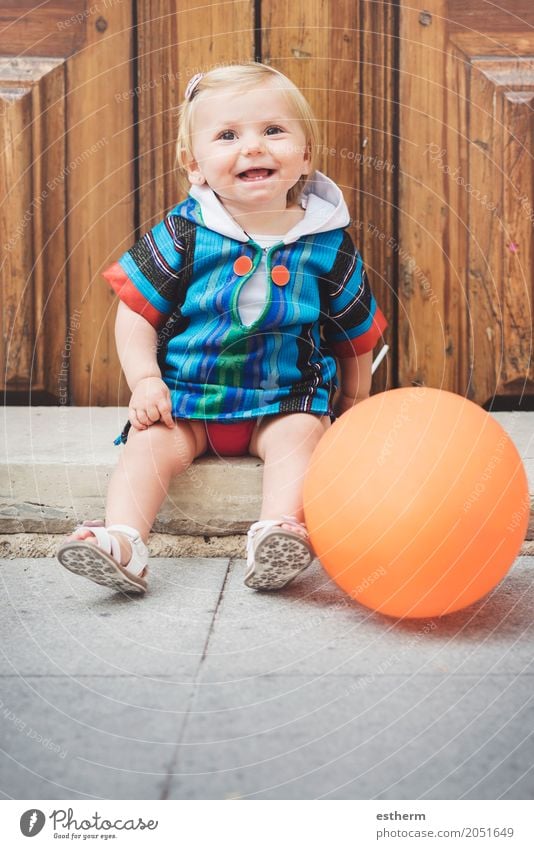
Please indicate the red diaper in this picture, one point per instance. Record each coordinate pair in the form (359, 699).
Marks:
(229, 439)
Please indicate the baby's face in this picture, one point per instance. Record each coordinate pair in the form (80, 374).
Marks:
(248, 147)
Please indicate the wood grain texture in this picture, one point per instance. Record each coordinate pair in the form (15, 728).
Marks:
(518, 279)
(508, 44)
(317, 47)
(428, 146)
(88, 130)
(490, 19)
(55, 28)
(158, 96)
(100, 196)
(485, 271)
(501, 284)
(377, 170)
(17, 312)
(32, 269)
(466, 163)
(175, 43)
(340, 56)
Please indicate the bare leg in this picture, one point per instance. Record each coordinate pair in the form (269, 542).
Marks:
(285, 443)
(141, 480)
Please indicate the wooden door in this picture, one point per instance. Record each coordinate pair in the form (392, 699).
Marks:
(341, 54)
(66, 194)
(466, 205)
(88, 104)
(427, 127)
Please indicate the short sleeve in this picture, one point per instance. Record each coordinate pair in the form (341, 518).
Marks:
(146, 278)
(354, 323)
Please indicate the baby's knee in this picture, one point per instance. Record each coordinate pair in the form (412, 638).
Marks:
(161, 444)
(293, 432)
(304, 427)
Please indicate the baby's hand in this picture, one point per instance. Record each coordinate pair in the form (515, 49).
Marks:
(150, 402)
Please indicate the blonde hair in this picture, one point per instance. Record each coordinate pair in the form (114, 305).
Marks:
(244, 76)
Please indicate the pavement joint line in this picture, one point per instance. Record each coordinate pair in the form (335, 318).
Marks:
(174, 757)
(214, 617)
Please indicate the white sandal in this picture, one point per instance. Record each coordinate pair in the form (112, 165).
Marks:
(275, 557)
(101, 562)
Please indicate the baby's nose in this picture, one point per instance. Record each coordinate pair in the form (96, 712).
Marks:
(252, 145)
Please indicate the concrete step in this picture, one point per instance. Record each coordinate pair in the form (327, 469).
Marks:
(56, 463)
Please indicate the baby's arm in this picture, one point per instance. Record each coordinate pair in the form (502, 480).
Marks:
(355, 381)
(136, 342)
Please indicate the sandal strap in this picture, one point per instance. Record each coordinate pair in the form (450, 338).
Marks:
(139, 558)
(273, 523)
(110, 544)
(106, 542)
(264, 524)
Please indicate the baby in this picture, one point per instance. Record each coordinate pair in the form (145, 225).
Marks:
(233, 311)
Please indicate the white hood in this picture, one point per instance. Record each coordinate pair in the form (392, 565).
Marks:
(322, 200)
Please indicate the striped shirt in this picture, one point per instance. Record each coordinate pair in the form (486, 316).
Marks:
(185, 276)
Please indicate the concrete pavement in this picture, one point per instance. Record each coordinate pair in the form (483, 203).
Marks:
(207, 690)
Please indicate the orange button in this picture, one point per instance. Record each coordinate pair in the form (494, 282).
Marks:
(242, 265)
(280, 275)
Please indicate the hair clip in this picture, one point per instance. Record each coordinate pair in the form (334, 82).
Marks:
(191, 86)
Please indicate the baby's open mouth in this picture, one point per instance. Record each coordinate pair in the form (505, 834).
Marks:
(256, 174)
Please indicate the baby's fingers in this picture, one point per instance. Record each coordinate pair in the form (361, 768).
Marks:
(164, 407)
(135, 421)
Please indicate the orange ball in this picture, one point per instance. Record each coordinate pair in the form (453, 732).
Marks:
(416, 502)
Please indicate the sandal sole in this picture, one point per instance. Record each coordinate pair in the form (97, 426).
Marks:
(90, 562)
(277, 561)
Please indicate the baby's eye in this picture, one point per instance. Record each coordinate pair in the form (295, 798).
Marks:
(274, 130)
(226, 135)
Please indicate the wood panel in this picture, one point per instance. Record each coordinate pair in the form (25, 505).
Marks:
(67, 205)
(486, 243)
(32, 268)
(466, 161)
(501, 285)
(125, 76)
(54, 28)
(377, 170)
(491, 22)
(175, 43)
(302, 47)
(340, 56)
(518, 248)
(158, 87)
(100, 194)
(428, 281)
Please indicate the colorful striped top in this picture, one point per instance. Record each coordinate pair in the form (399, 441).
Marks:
(185, 275)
